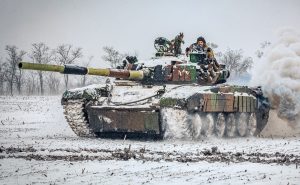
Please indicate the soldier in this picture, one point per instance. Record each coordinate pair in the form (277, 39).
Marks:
(199, 46)
(208, 65)
(176, 44)
(130, 63)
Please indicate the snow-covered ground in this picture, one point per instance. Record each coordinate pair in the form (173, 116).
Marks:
(38, 147)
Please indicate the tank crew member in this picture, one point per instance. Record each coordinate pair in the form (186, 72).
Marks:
(176, 44)
(200, 45)
(130, 63)
(209, 66)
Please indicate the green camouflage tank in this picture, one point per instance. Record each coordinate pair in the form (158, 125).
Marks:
(167, 96)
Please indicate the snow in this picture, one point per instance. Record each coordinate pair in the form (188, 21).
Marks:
(165, 60)
(88, 88)
(139, 172)
(183, 91)
(125, 94)
(38, 147)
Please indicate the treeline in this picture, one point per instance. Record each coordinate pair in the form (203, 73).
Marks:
(22, 82)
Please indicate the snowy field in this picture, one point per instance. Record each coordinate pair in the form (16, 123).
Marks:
(38, 147)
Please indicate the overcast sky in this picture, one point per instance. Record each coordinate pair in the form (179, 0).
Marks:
(132, 25)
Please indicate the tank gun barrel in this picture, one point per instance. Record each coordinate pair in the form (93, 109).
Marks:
(79, 70)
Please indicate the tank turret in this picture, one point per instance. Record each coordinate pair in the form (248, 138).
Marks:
(177, 72)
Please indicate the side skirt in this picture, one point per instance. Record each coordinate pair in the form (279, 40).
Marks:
(125, 122)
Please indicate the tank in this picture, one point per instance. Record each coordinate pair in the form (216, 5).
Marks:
(164, 97)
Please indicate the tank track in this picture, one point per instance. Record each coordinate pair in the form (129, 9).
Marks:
(76, 118)
(229, 125)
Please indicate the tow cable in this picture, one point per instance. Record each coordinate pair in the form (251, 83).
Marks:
(159, 93)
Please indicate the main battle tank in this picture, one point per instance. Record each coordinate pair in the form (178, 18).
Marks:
(165, 97)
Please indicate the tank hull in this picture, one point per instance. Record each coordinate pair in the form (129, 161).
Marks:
(137, 111)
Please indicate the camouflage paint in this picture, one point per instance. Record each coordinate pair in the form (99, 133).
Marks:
(98, 72)
(130, 120)
(217, 102)
(167, 102)
(185, 73)
(41, 67)
(151, 121)
(136, 75)
(194, 58)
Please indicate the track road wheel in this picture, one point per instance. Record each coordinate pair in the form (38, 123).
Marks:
(208, 125)
(196, 124)
(242, 124)
(220, 125)
(252, 124)
(230, 125)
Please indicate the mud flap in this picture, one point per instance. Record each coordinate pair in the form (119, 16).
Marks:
(124, 120)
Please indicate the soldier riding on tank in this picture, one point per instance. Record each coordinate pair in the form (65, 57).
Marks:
(176, 44)
(203, 55)
(199, 46)
(165, 47)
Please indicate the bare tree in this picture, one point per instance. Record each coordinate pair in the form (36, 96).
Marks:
(112, 56)
(212, 45)
(12, 73)
(234, 61)
(245, 65)
(31, 83)
(41, 54)
(260, 52)
(53, 83)
(2, 77)
(66, 55)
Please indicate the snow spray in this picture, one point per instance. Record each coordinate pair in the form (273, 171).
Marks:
(278, 72)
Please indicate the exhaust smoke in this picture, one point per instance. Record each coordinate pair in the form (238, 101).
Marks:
(278, 72)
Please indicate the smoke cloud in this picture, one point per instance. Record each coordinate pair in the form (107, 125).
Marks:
(278, 72)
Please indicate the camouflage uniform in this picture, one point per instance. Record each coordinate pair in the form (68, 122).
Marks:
(209, 66)
(210, 53)
(176, 49)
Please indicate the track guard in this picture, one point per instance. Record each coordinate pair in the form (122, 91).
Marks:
(124, 120)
